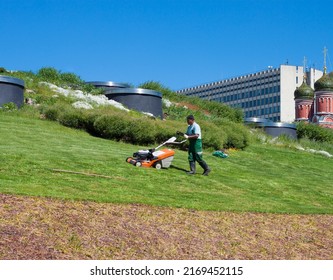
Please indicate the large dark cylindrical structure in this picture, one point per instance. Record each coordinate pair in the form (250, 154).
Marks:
(109, 85)
(277, 129)
(11, 90)
(274, 129)
(143, 100)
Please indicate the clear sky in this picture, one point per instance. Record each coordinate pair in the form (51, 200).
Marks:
(180, 43)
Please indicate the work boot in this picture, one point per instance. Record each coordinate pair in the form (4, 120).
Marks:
(206, 172)
(205, 168)
(192, 168)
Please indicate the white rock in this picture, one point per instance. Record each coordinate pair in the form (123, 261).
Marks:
(92, 100)
(167, 102)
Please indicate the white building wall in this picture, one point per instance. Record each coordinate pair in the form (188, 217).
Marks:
(291, 78)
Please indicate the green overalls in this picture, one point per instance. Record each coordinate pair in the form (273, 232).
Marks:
(195, 148)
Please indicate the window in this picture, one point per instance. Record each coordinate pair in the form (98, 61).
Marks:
(275, 99)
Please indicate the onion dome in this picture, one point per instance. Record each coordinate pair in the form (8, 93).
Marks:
(325, 83)
(304, 92)
(330, 74)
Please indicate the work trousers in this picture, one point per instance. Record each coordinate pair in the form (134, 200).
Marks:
(195, 151)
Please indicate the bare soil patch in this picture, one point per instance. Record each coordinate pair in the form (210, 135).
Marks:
(192, 107)
(42, 228)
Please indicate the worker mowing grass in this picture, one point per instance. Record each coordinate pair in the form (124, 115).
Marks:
(193, 134)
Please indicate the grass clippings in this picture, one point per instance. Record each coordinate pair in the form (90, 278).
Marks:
(41, 228)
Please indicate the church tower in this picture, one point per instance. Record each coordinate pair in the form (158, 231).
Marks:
(303, 97)
(324, 101)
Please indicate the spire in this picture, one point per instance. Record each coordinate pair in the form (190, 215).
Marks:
(304, 71)
(325, 53)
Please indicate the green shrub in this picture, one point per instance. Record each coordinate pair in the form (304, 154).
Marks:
(51, 113)
(67, 79)
(165, 130)
(314, 132)
(71, 118)
(87, 122)
(239, 138)
(140, 131)
(70, 79)
(9, 107)
(48, 74)
(110, 127)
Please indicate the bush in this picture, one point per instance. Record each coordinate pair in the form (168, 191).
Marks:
(9, 107)
(140, 131)
(51, 113)
(70, 79)
(110, 127)
(165, 130)
(72, 118)
(48, 74)
(314, 132)
(238, 137)
(120, 126)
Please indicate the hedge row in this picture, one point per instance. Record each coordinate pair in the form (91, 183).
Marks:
(121, 126)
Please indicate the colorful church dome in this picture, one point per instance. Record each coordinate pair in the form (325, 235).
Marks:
(304, 92)
(325, 83)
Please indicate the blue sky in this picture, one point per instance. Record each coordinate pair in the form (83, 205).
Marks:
(180, 43)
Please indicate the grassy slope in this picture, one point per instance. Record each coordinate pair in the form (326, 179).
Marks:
(261, 178)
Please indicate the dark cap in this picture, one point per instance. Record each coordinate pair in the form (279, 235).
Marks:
(190, 117)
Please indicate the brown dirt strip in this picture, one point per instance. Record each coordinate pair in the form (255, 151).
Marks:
(42, 228)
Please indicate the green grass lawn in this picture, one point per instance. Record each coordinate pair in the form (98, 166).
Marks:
(263, 178)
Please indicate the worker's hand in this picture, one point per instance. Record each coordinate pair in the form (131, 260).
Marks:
(186, 136)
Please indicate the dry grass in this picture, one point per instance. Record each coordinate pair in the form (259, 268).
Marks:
(40, 228)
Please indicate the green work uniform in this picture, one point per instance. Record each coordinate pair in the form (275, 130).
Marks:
(195, 148)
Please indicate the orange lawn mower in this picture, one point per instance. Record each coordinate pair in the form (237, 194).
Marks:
(153, 157)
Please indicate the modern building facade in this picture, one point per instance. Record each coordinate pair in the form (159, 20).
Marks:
(266, 94)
